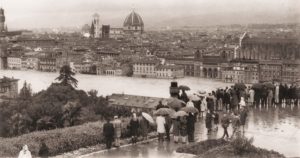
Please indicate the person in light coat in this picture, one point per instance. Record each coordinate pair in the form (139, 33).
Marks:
(251, 97)
(161, 130)
(118, 130)
(25, 153)
(203, 107)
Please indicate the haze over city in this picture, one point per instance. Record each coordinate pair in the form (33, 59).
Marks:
(27, 14)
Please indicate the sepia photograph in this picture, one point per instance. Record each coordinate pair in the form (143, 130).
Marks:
(150, 78)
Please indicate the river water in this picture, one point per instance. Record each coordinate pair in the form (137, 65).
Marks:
(107, 85)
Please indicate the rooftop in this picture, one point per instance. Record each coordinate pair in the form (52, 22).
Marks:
(135, 101)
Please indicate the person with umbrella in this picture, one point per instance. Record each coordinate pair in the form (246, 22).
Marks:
(176, 126)
(161, 130)
(160, 105)
(184, 96)
(144, 127)
(183, 128)
(191, 119)
(168, 125)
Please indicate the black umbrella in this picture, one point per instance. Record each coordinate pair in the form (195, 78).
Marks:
(257, 86)
(184, 87)
(241, 86)
(269, 85)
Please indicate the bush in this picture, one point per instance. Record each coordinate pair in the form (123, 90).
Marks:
(242, 145)
(201, 147)
(58, 140)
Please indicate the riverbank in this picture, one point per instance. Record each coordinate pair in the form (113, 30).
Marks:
(240, 147)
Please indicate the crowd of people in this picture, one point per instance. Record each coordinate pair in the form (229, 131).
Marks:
(231, 103)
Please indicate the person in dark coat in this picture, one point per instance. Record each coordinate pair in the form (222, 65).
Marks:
(243, 118)
(160, 105)
(134, 126)
(208, 121)
(108, 133)
(183, 128)
(168, 126)
(234, 100)
(210, 104)
(184, 96)
(191, 119)
(44, 150)
(225, 121)
(226, 100)
(281, 93)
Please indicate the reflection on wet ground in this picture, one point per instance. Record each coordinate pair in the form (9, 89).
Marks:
(273, 128)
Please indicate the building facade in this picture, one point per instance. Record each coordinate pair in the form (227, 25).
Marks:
(14, 63)
(145, 68)
(8, 87)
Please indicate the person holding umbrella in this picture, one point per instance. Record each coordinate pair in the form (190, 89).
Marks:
(176, 126)
(191, 119)
(183, 128)
(144, 127)
(161, 130)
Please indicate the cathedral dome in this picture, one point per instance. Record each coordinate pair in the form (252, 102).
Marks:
(133, 19)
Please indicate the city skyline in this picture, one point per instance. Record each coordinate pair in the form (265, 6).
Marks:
(30, 14)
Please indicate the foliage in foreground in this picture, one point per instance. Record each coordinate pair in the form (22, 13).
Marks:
(58, 140)
(240, 147)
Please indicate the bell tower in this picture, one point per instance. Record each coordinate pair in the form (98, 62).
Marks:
(2, 21)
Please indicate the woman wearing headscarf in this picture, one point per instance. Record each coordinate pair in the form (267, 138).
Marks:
(25, 153)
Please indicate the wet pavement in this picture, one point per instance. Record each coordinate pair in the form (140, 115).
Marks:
(272, 128)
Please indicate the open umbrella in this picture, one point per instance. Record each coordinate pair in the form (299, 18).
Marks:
(194, 97)
(184, 87)
(164, 111)
(190, 109)
(268, 85)
(202, 92)
(240, 86)
(175, 103)
(179, 114)
(148, 117)
(257, 86)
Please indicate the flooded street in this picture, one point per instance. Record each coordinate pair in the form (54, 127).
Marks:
(273, 129)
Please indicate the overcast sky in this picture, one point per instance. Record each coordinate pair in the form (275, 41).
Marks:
(56, 13)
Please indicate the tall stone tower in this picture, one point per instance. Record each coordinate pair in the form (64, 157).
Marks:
(2, 21)
(96, 23)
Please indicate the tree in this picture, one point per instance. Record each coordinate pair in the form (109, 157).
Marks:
(66, 76)
(25, 92)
